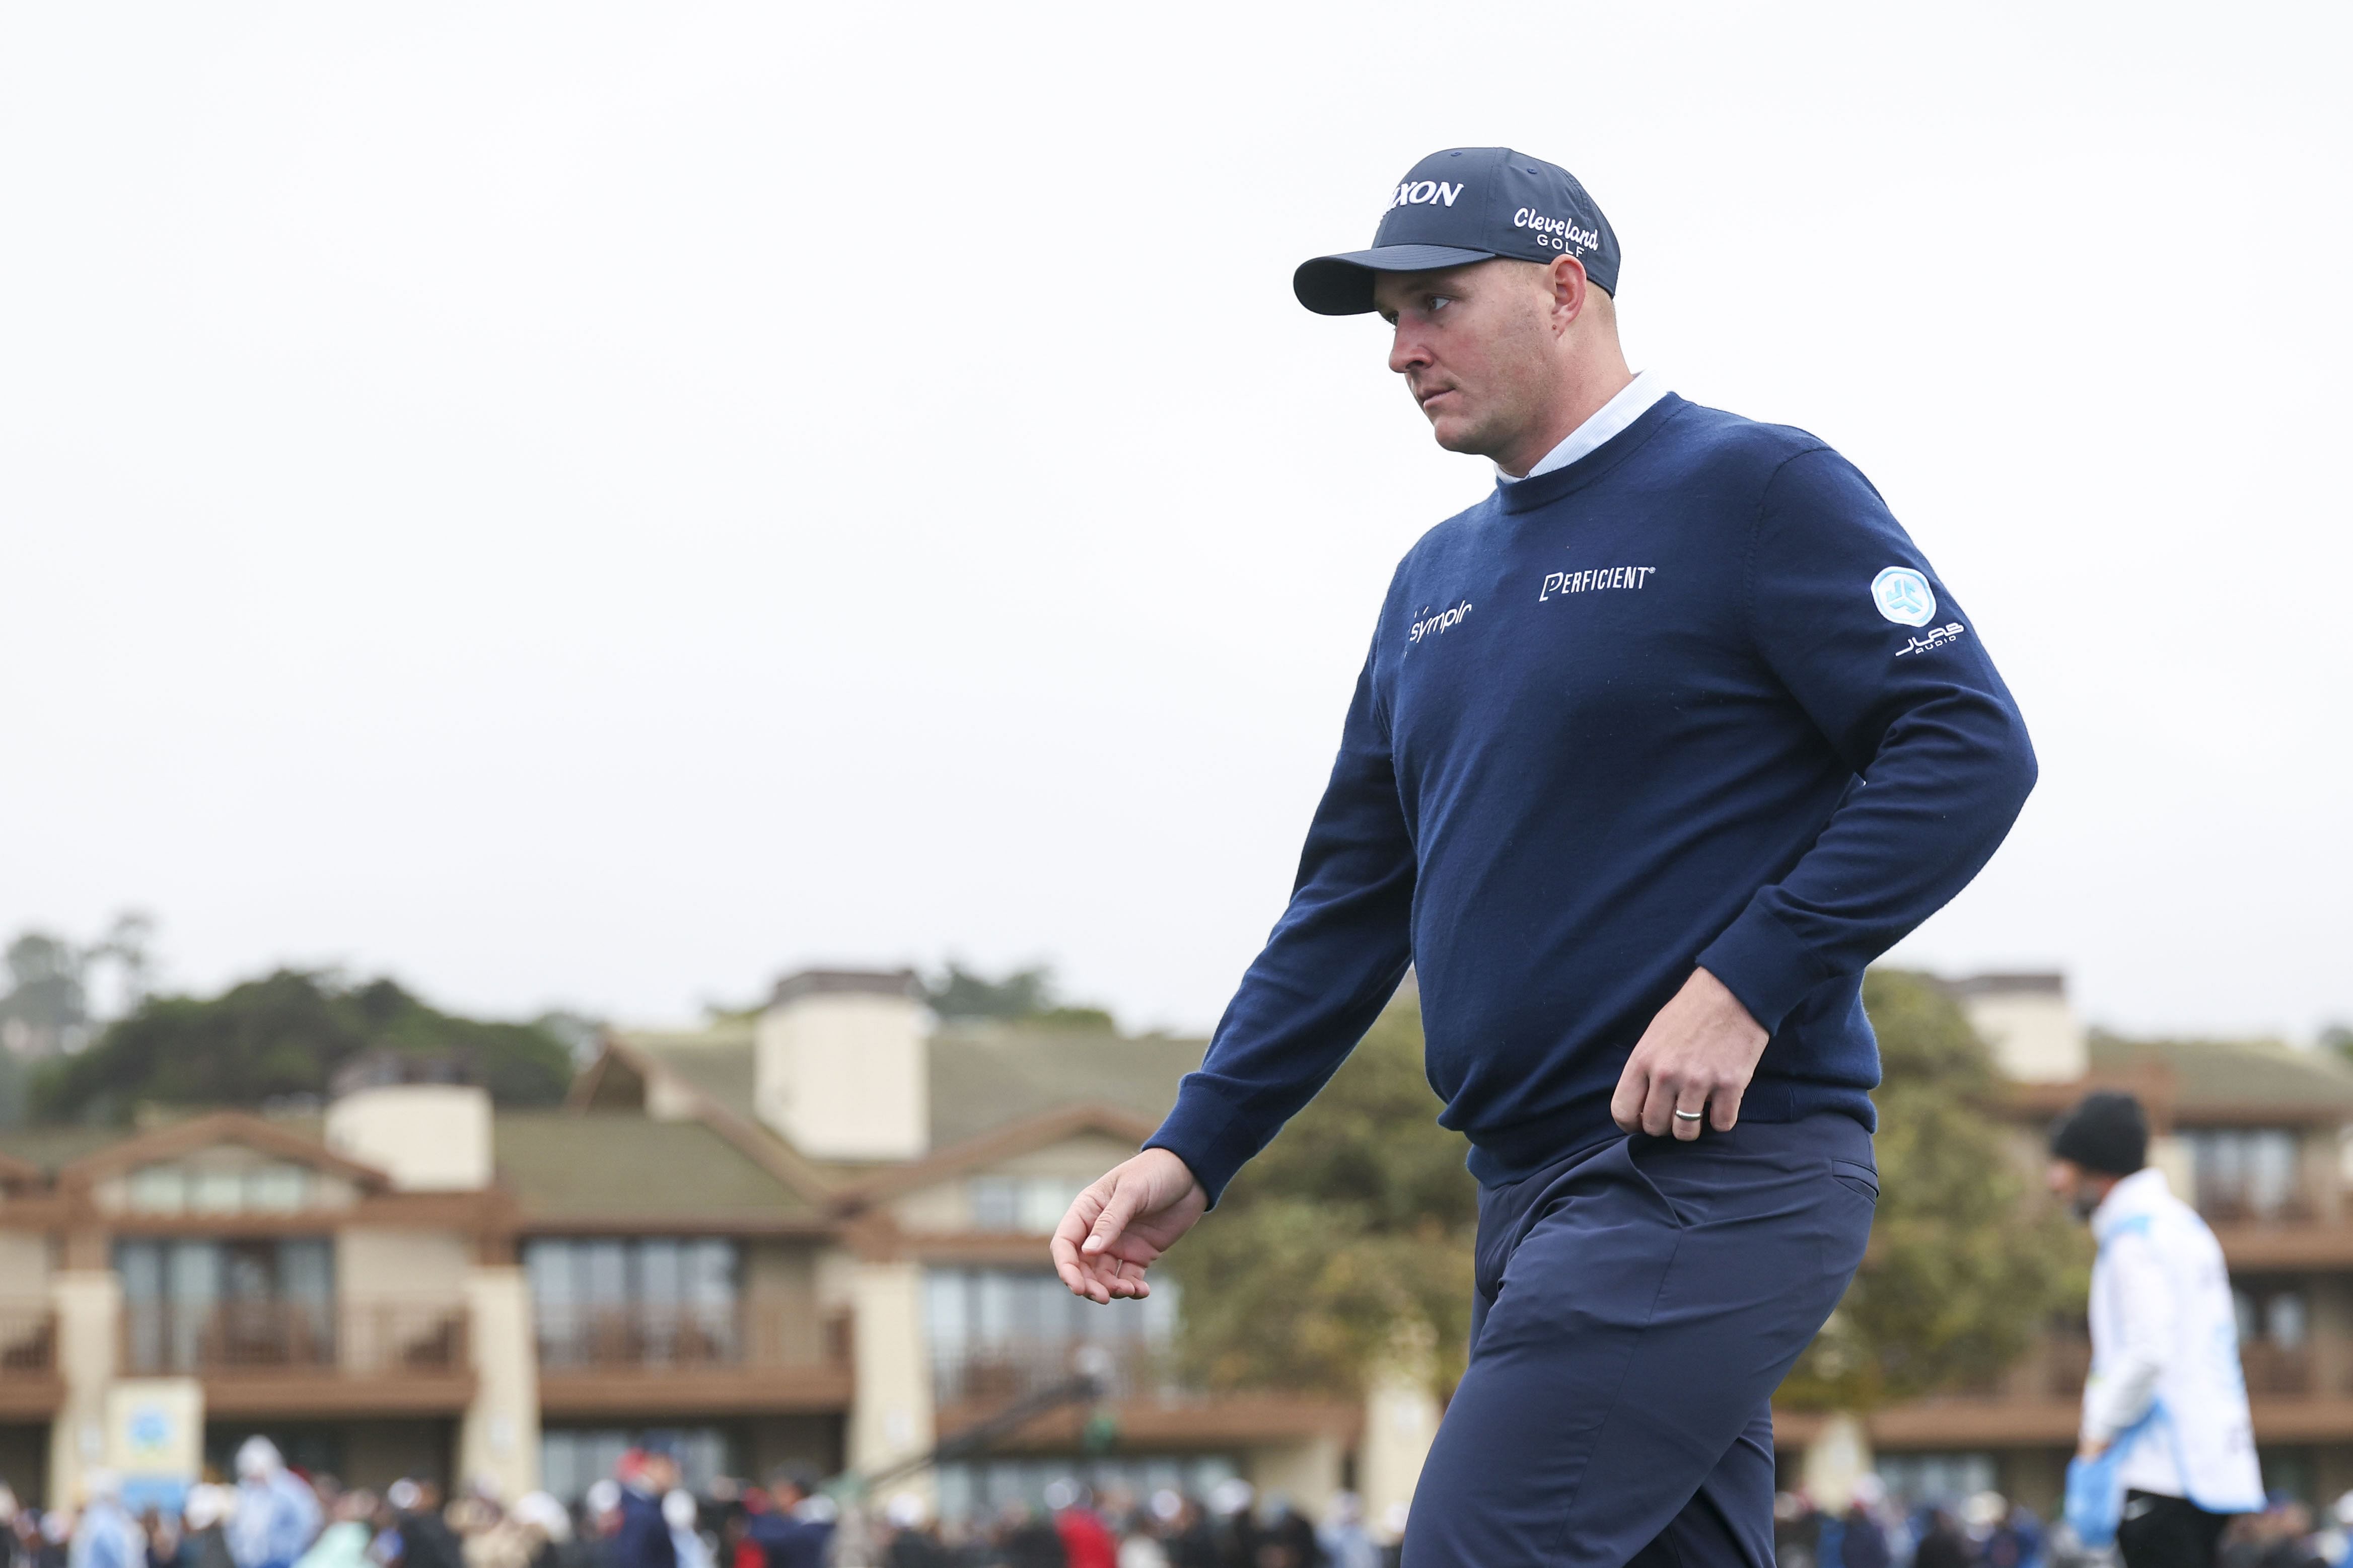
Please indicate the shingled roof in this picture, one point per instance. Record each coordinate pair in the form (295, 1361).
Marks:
(610, 1165)
(2236, 1080)
(983, 1077)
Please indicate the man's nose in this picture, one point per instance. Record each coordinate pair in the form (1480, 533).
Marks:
(1407, 350)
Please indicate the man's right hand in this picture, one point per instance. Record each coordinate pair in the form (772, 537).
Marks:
(1119, 1227)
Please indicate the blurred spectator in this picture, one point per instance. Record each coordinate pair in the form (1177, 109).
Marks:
(416, 1523)
(544, 1529)
(1186, 1534)
(1232, 1530)
(1291, 1542)
(205, 1543)
(277, 1514)
(1086, 1543)
(1942, 1544)
(1027, 1541)
(57, 1531)
(1346, 1543)
(1796, 1531)
(104, 1536)
(642, 1539)
(793, 1532)
(914, 1539)
(345, 1542)
(684, 1518)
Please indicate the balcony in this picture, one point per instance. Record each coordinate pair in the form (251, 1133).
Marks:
(30, 1383)
(1144, 1390)
(1001, 1372)
(743, 1357)
(295, 1358)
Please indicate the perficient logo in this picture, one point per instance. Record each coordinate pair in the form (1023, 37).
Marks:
(1425, 193)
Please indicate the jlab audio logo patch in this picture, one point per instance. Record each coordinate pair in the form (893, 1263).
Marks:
(1902, 596)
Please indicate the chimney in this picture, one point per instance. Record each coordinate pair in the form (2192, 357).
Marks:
(2028, 1022)
(427, 1137)
(840, 1067)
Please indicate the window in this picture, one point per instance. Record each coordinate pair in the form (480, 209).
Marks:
(274, 1188)
(639, 1300)
(980, 1490)
(2244, 1173)
(2273, 1322)
(2272, 1314)
(1003, 1331)
(193, 1304)
(1020, 1205)
(571, 1459)
(1937, 1480)
(159, 1189)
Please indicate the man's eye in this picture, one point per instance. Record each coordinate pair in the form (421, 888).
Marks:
(1439, 302)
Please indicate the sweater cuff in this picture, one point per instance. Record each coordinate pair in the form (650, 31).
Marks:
(1205, 1133)
(1761, 962)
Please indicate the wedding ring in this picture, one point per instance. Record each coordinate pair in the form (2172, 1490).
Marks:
(1687, 1115)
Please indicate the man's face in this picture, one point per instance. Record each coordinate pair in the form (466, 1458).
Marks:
(1476, 347)
(2076, 1187)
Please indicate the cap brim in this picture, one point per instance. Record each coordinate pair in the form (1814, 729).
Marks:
(1343, 285)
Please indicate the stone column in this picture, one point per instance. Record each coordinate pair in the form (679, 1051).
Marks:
(1835, 1460)
(890, 1415)
(1305, 1472)
(498, 1436)
(1400, 1419)
(88, 1305)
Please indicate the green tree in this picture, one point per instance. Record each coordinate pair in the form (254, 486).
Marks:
(1352, 1234)
(1347, 1239)
(47, 1009)
(286, 1033)
(1965, 1267)
(1024, 995)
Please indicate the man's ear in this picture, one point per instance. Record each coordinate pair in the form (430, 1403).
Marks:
(1570, 290)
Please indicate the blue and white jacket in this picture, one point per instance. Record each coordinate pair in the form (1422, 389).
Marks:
(2165, 1385)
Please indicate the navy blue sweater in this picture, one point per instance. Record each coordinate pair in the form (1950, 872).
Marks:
(1694, 699)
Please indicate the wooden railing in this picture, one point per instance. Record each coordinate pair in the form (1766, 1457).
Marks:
(2276, 1370)
(1011, 1369)
(351, 1339)
(2232, 1206)
(639, 1336)
(28, 1342)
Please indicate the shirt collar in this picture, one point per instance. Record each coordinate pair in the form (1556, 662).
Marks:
(2135, 1191)
(1633, 400)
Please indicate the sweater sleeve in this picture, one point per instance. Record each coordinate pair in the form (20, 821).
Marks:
(1907, 697)
(1331, 965)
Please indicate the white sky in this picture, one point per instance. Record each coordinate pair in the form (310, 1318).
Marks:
(599, 504)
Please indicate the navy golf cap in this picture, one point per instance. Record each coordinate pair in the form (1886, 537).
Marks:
(1465, 205)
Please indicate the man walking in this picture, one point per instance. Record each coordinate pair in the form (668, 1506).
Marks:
(1656, 747)
(2165, 1394)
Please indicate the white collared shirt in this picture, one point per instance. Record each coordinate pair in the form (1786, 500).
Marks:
(1633, 400)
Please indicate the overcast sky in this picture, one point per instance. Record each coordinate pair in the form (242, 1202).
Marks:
(601, 504)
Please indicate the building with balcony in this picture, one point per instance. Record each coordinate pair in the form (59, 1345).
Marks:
(815, 1238)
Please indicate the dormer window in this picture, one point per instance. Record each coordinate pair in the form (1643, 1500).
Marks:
(1020, 1205)
(275, 1187)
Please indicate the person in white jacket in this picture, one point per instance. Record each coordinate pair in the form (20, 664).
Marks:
(2166, 1393)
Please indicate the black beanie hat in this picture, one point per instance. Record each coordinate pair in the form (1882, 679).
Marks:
(2105, 1132)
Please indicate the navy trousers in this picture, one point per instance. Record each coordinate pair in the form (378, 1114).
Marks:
(1637, 1303)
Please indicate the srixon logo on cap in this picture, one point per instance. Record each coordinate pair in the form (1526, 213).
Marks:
(1423, 193)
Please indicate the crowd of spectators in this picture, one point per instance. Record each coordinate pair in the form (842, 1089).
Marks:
(272, 1516)
(1988, 1530)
